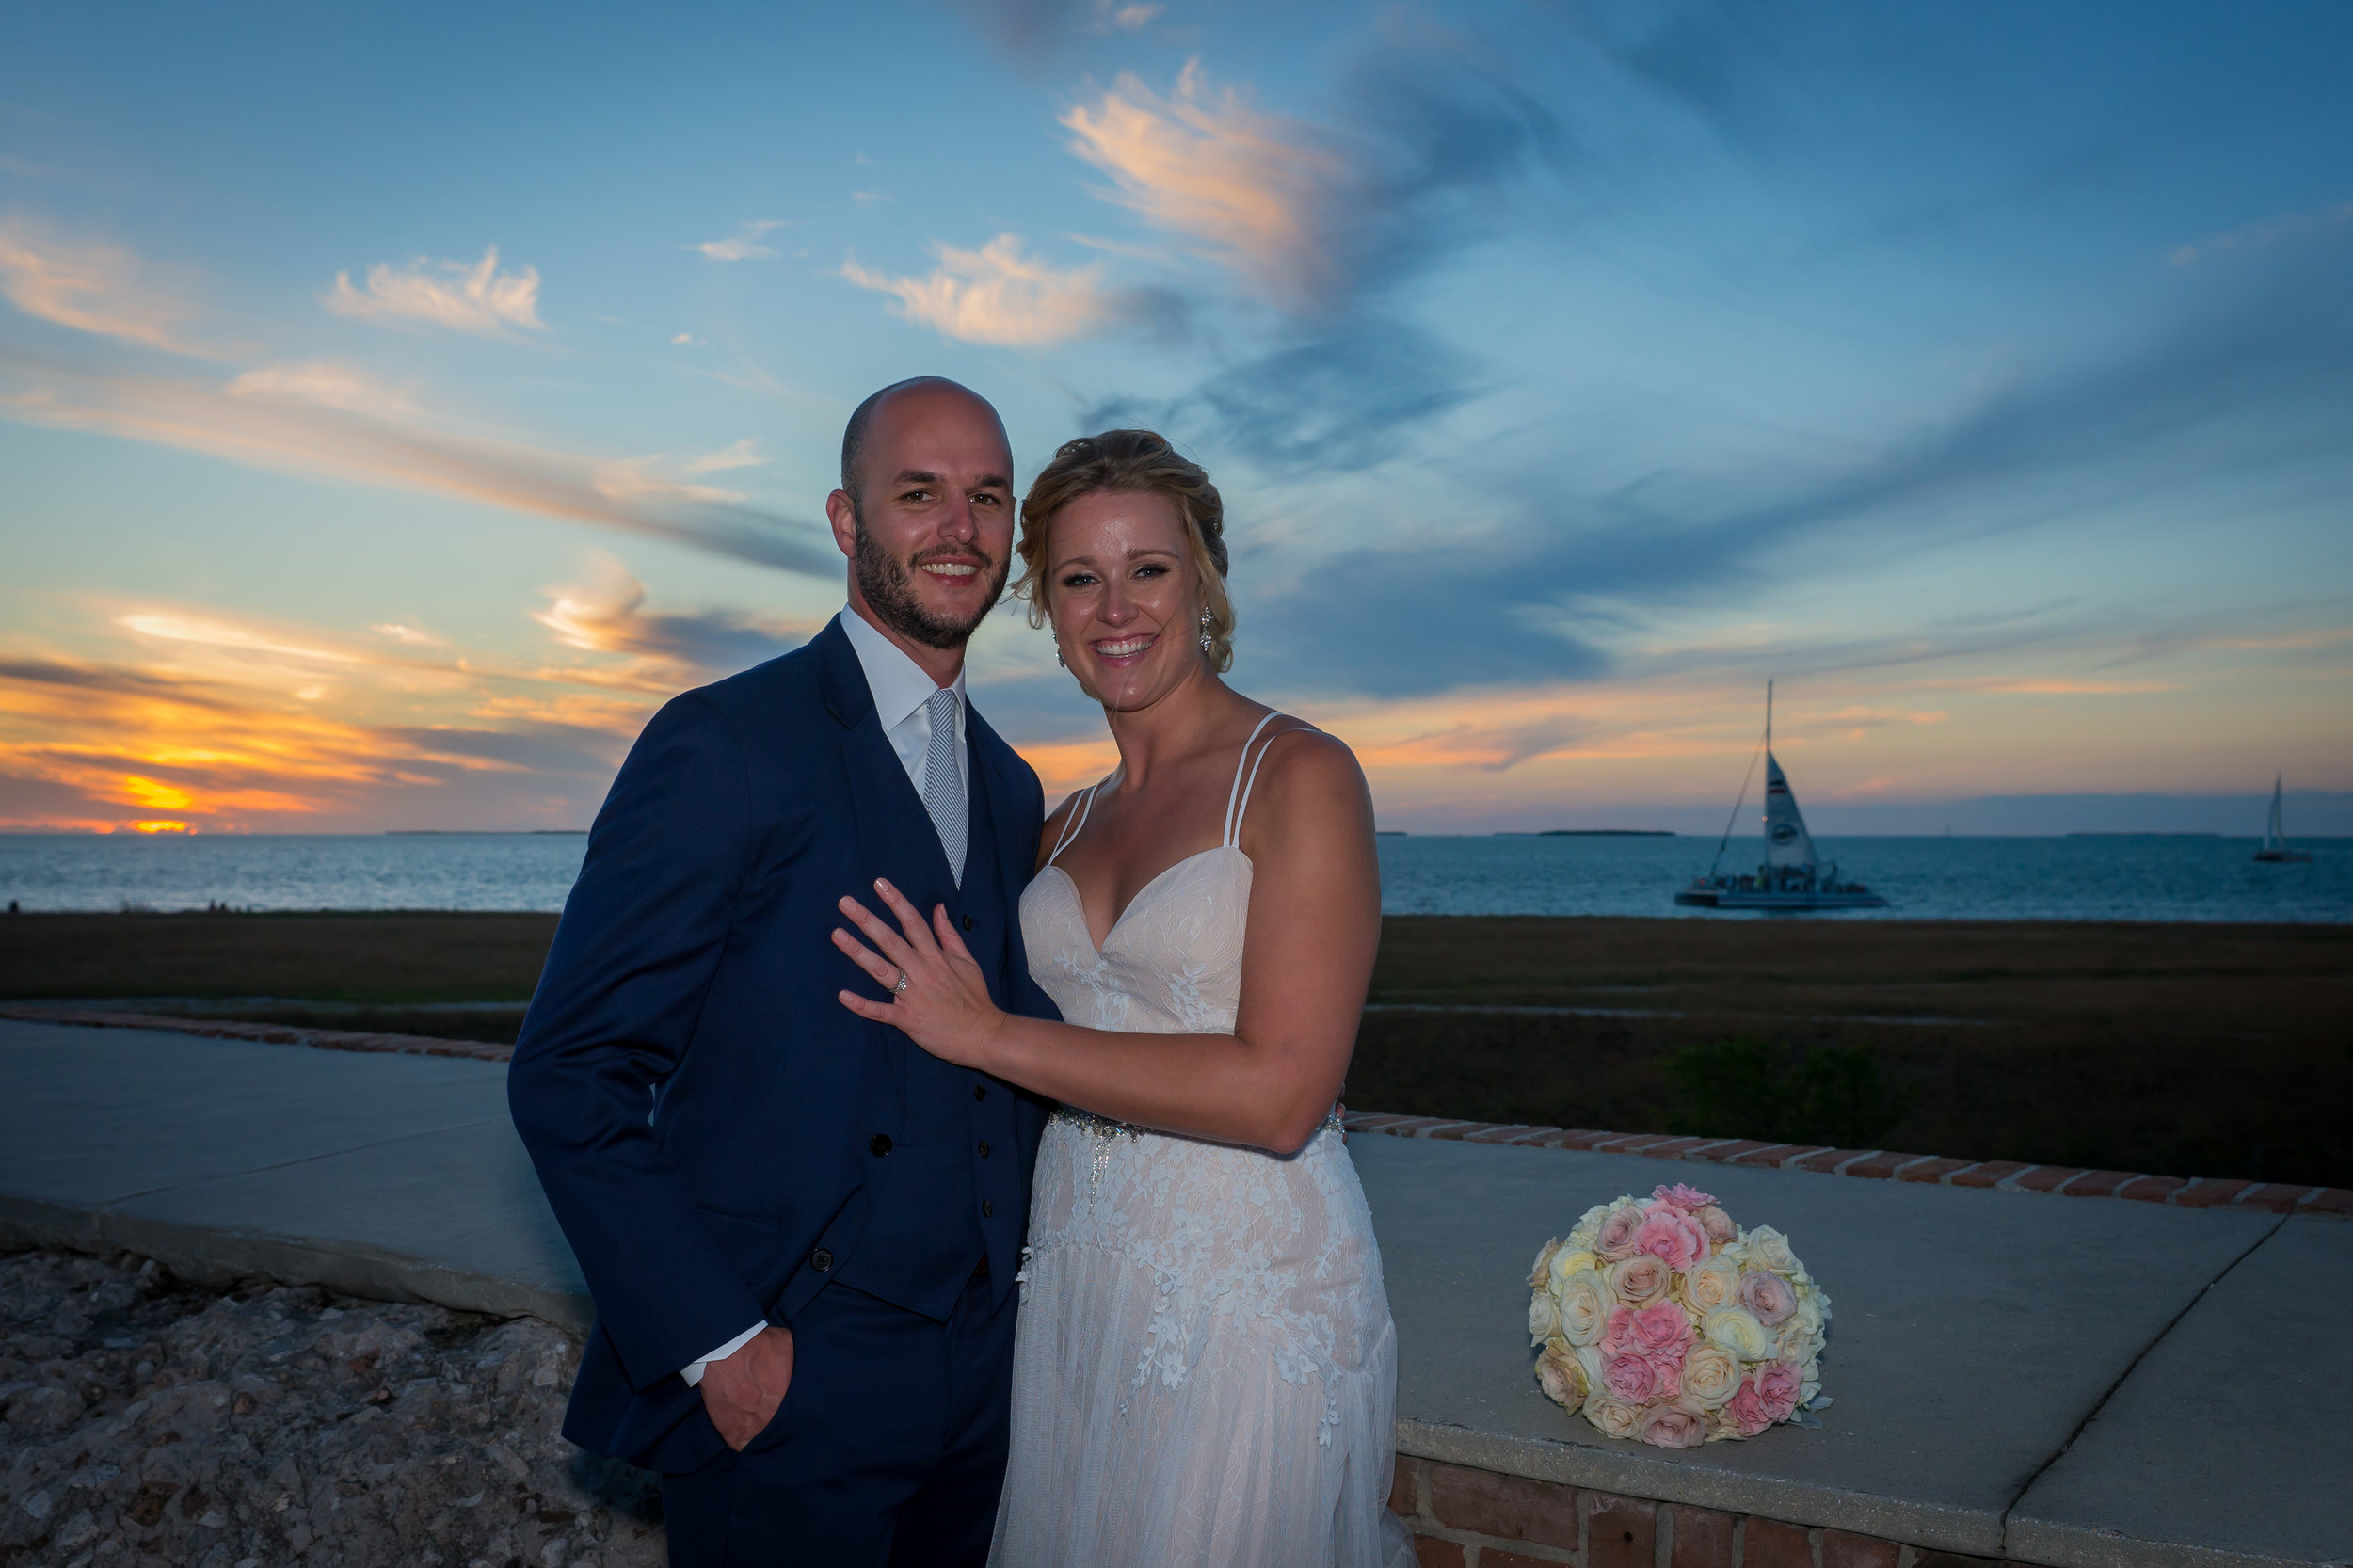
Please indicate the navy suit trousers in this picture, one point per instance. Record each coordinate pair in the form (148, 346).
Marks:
(889, 1451)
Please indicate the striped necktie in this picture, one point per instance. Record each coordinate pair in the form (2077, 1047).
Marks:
(943, 782)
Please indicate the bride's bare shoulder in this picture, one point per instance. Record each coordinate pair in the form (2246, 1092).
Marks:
(1307, 776)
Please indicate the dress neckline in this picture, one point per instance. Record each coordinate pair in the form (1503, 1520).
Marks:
(1078, 900)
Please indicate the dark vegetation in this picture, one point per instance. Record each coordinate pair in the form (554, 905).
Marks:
(2190, 1050)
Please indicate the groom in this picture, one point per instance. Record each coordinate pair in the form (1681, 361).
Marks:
(800, 1230)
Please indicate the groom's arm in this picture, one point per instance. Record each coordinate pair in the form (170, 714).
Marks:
(638, 944)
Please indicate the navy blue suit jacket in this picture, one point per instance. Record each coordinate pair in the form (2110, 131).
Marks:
(714, 1130)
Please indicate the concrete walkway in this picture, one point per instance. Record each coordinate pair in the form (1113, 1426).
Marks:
(2055, 1380)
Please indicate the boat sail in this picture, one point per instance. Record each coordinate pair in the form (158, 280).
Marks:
(1791, 879)
(2276, 850)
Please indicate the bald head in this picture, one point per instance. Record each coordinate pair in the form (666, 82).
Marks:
(856, 436)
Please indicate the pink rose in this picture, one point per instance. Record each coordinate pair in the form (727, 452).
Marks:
(1777, 1384)
(1767, 1297)
(1716, 1224)
(1641, 1278)
(1674, 1426)
(1617, 1333)
(1659, 1329)
(1671, 1236)
(1615, 1238)
(1630, 1380)
(1680, 1196)
(1746, 1411)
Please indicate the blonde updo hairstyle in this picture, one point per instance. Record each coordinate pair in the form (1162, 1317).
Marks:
(1131, 462)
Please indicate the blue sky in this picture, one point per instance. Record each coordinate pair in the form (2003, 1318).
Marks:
(394, 406)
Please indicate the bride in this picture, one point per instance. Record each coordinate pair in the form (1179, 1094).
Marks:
(1204, 1369)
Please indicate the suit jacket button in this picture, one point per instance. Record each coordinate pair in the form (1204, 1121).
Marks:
(821, 1261)
(967, 922)
(987, 1209)
(879, 1144)
(984, 1148)
(980, 1091)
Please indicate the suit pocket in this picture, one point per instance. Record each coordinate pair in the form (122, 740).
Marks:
(755, 1246)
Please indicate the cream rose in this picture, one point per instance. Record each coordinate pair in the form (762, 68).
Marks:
(1560, 1375)
(1717, 1225)
(1678, 1425)
(1609, 1417)
(1713, 1282)
(1615, 1238)
(1583, 1307)
(1543, 1318)
(1543, 1270)
(1641, 1279)
(1571, 1260)
(1733, 1329)
(1769, 1249)
(1581, 1235)
(1711, 1375)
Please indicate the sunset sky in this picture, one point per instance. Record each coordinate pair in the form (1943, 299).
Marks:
(397, 403)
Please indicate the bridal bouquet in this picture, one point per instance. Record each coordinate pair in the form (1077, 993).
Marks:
(1666, 1323)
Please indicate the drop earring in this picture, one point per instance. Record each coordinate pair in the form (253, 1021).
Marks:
(1059, 659)
(1209, 644)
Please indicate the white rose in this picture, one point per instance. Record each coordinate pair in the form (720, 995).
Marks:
(1571, 1260)
(1768, 1248)
(1711, 1375)
(1714, 1283)
(1584, 1307)
(1543, 1318)
(1609, 1417)
(1738, 1331)
(1543, 1270)
(1794, 1343)
(1582, 1235)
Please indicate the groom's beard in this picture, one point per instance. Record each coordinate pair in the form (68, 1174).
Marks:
(889, 590)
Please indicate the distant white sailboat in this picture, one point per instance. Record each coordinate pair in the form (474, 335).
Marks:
(1791, 879)
(2276, 848)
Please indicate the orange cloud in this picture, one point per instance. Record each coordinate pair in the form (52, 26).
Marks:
(463, 296)
(279, 423)
(1249, 188)
(96, 288)
(996, 294)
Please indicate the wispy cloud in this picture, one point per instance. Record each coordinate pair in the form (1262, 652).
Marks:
(608, 614)
(1252, 190)
(996, 295)
(462, 297)
(91, 287)
(1026, 30)
(282, 429)
(744, 244)
(327, 384)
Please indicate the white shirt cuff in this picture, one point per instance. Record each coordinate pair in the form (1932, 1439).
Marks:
(693, 1370)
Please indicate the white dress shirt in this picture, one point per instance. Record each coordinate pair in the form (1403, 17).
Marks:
(902, 693)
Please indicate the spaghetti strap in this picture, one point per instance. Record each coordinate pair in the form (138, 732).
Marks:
(1077, 820)
(1237, 798)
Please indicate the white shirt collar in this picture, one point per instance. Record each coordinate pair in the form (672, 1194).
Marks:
(899, 684)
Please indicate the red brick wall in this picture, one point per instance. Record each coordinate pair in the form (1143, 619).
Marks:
(1466, 1518)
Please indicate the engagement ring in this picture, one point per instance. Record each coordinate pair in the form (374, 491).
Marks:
(901, 986)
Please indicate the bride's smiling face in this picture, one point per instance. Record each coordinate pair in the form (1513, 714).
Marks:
(1125, 602)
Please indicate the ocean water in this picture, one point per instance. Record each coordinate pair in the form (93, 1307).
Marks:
(2123, 878)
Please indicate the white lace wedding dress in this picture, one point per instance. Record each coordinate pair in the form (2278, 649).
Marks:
(1205, 1373)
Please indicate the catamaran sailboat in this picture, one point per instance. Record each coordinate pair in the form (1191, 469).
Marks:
(1791, 879)
(2276, 834)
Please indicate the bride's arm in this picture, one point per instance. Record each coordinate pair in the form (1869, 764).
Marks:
(1313, 925)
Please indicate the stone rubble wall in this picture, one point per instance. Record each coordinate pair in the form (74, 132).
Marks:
(144, 1422)
(1466, 1518)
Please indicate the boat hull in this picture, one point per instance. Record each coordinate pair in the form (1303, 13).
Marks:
(2284, 858)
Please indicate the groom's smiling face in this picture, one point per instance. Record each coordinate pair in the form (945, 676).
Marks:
(929, 533)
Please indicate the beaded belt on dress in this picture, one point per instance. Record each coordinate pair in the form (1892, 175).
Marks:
(1106, 1130)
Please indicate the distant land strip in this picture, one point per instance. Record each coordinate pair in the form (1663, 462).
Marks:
(2009, 1176)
